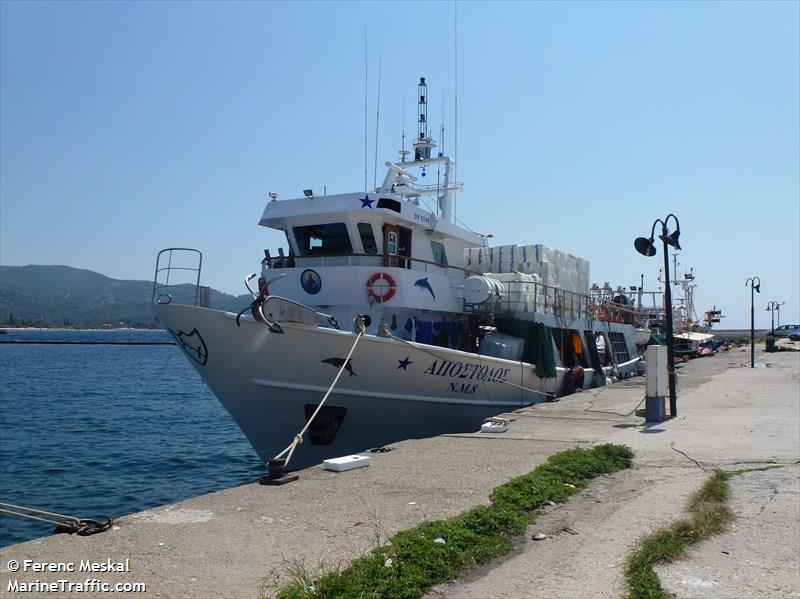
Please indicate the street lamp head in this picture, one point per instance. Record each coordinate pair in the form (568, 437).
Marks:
(757, 288)
(672, 239)
(645, 246)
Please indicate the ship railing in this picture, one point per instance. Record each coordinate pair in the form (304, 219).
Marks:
(454, 274)
(523, 296)
(620, 305)
(435, 189)
(644, 301)
(280, 309)
(614, 312)
(375, 260)
(651, 300)
(177, 277)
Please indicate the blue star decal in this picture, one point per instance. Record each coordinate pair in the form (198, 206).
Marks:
(404, 363)
(366, 202)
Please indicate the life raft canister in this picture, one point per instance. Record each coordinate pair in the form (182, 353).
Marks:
(381, 287)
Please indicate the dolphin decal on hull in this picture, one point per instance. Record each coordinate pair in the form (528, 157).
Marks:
(337, 362)
(423, 284)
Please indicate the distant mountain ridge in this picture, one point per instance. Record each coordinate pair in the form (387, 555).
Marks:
(57, 296)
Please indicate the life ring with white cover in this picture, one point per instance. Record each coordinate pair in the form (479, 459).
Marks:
(381, 287)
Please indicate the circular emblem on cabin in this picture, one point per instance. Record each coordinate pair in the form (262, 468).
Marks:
(311, 281)
(381, 287)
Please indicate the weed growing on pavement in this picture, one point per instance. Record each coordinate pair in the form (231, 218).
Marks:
(757, 469)
(414, 560)
(709, 515)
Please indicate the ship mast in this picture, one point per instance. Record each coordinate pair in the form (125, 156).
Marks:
(423, 143)
(400, 181)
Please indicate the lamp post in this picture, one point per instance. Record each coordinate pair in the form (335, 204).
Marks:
(646, 247)
(772, 307)
(757, 287)
(778, 308)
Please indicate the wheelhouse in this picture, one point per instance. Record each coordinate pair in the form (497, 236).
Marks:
(365, 230)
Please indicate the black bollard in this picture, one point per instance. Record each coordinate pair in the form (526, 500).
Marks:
(277, 473)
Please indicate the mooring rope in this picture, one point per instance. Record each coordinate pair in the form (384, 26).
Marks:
(62, 522)
(298, 438)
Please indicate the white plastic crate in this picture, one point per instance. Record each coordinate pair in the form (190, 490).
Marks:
(493, 427)
(348, 462)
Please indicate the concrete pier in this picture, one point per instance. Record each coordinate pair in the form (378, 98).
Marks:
(240, 542)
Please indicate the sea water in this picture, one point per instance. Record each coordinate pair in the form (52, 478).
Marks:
(105, 430)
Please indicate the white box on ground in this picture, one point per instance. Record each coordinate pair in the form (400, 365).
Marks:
(348, 462)
(493, 427)
(656, 370)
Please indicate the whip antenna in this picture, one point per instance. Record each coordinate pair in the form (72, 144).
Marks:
(439, 166)
(403, 151)
(455, 116)
(365, 107)
(377, 123)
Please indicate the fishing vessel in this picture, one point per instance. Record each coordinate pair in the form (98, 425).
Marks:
(646, 309)
(406, 323)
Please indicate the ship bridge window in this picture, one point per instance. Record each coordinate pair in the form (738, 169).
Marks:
(367, 238)
(389, 204)
(439, 255)
(330, 239)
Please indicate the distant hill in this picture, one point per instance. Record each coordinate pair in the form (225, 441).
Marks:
(58, 296)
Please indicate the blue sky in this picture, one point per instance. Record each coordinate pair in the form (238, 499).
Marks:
(128, 127)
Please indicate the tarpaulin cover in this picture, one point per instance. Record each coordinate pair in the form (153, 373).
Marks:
(594, 357)
(538, 349)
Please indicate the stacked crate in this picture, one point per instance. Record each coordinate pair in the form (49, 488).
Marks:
(554, 267)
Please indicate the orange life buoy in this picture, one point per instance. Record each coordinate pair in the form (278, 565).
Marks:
(381, 287)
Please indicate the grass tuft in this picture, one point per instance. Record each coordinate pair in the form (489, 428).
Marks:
(709, 516)
(420, 560)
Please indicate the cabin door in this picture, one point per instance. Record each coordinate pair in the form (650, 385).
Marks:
(404, 247)
(391, 245)
(397, 246)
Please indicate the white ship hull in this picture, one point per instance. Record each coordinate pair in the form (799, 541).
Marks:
(392, 389)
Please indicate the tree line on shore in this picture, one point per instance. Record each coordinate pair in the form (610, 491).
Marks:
(66, 297)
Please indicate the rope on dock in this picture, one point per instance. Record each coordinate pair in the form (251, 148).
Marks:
(63, 524)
